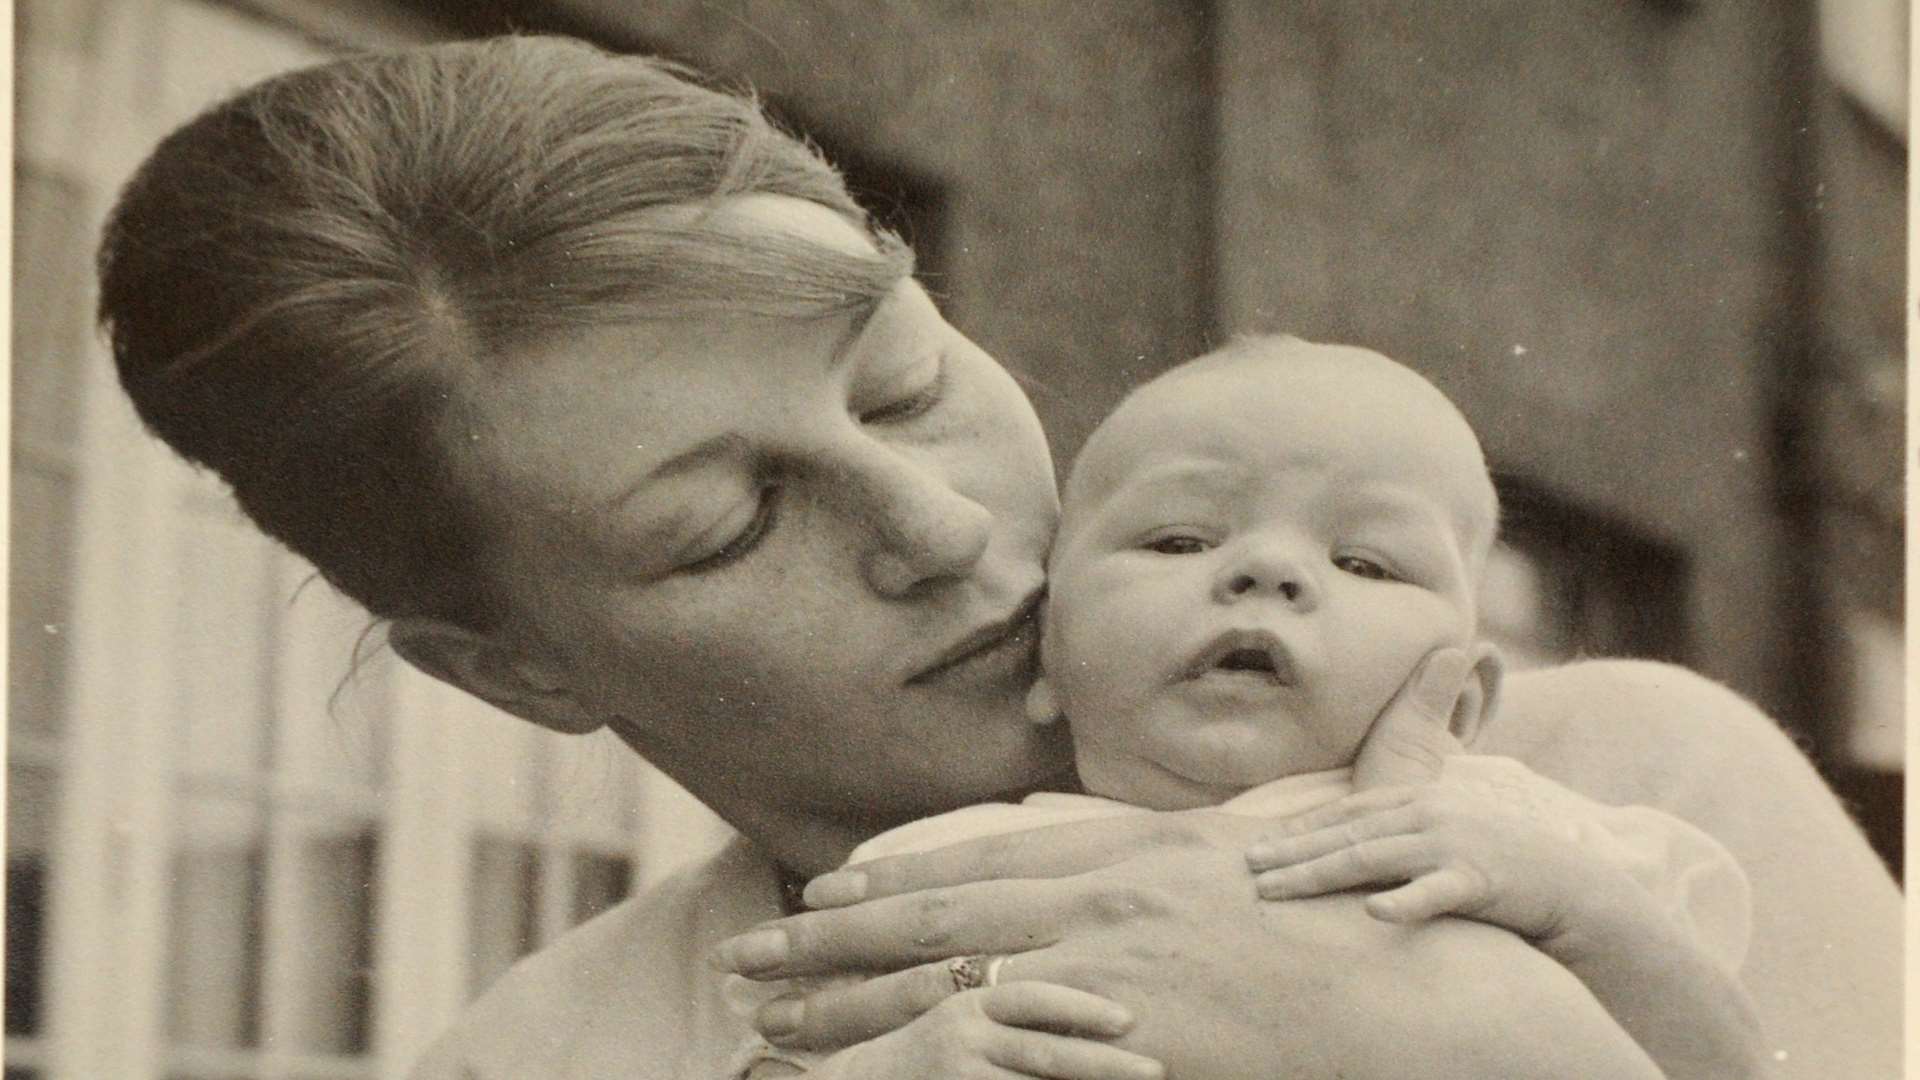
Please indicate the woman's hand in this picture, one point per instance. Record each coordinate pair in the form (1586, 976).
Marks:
(1406, 745)
(1225, 987)
(1155, 911)
(1024, 1029)
(1018, 891)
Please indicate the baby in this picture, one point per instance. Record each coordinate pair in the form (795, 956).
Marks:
(1257, 550)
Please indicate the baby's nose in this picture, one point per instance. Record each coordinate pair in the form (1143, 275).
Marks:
(1268, 573)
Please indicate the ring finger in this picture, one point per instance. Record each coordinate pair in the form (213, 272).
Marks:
(848, 1012)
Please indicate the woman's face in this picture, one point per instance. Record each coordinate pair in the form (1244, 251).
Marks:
(798, 562)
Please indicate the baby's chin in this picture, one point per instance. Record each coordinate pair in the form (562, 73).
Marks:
(1137, 781)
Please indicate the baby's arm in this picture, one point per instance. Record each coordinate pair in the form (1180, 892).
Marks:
(1018, 1029)
(1456, 851)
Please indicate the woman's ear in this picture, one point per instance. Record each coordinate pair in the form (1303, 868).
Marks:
(1043, 707)
(1480, 694)
(497, 674)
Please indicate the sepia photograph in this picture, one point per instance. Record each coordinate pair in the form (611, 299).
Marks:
(1123, 540)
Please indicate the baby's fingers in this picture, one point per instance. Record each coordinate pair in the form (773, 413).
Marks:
(1296, 847)
(1387, 860)
(1448, 890)
(1347, 808)
(1062, 1057)
(1062, 1010)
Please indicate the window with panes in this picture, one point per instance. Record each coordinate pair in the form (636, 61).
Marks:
(244, 842)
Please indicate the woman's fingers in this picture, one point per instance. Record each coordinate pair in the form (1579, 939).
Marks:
(854, 1011)
(1062, 1010)
(851, 1012)
(1050, 852)
(1448, 890)
(1413, 735)
(1370, 862)
(1062, 1057)
(989, 917)
(1009, 1030)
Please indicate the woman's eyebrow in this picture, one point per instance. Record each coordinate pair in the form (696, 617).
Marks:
(867, 317)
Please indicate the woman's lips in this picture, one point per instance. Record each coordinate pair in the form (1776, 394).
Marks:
(1003, 643)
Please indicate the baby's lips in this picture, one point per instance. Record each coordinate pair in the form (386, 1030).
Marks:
(1249, 650)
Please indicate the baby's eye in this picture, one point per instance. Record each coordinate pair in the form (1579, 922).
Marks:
(1176, 545)
(1362, 567)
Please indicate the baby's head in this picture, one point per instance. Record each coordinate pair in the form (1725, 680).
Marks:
(1257, 548)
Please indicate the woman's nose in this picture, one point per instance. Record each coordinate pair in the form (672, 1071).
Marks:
(923, 530)
(1266, 571)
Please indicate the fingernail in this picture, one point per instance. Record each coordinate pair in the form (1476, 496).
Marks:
(1270, 885)
(1440, 682)
(838, 889)
(752, 953)
(1147, 1069)
(1116, 1021)
(778, 1019)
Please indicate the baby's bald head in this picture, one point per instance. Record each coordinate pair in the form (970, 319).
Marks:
(1305, 398)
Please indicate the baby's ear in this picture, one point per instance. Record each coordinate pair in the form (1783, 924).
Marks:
(1043, 707)
(1480, 695)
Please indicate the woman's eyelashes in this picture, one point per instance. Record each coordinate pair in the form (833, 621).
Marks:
(896, 407)
(765, 511)
(900, 405)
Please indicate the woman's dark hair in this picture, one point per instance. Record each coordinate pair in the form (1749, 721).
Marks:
(296, 283)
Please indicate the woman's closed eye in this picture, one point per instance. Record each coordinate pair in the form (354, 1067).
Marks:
(899, 405)
(742, 543)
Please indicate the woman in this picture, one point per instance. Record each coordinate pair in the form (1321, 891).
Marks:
(609, 400)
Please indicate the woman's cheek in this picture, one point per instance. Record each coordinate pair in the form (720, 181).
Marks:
(1001, 417)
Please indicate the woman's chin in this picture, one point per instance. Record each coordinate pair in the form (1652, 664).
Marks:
(1044, 763)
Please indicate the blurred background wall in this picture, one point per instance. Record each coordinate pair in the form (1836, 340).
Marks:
(1655, 249)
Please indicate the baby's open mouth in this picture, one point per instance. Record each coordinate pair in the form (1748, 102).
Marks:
(1256, 654)
(1246, 660)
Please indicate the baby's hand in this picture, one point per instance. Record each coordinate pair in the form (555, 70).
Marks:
(1448, 849)
(1016, 1029)
(1454, 848)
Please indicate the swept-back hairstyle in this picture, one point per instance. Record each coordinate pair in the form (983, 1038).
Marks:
(296, 282)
